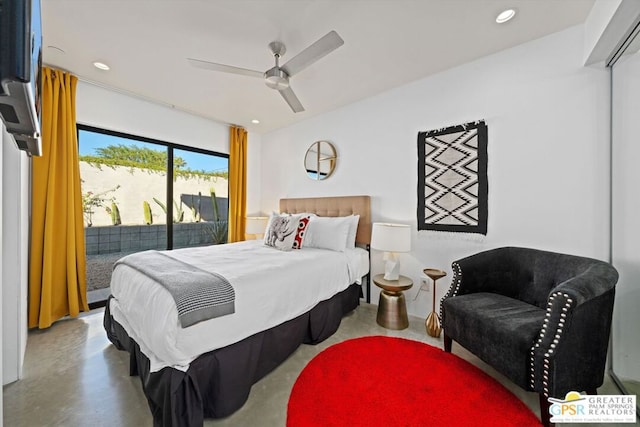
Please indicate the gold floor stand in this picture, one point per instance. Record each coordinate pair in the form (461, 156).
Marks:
(433, 325)
(433, 321)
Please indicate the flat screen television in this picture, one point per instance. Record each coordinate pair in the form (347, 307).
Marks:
(20, 72)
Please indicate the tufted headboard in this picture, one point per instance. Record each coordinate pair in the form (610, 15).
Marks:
(335, 206)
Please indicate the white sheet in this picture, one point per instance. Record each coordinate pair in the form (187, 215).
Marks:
(271, 287)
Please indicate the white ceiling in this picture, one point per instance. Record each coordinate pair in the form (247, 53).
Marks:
(388, 43)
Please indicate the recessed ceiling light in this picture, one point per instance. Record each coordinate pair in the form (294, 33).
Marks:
(505, 16)
(255, 121)
(101, 66)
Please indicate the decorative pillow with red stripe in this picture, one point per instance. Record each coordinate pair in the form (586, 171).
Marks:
(302, 229)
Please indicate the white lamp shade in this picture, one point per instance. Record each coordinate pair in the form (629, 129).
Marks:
(256, 224)
(391, 237)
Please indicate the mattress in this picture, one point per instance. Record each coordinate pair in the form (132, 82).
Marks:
(271, 287)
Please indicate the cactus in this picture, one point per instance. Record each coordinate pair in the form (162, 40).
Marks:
(179, 214)
(115, 214)
(162, 205)
(214, 202)
(217, 231)
(179, 211)
(195, 212)
(148, 219)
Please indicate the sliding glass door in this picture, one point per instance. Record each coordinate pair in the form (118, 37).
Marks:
(625, 104)
(141, 194)
(123, 179)
(200, 199)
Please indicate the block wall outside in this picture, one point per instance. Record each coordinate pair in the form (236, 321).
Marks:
(133, 238)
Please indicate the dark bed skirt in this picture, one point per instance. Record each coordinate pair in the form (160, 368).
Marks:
(218, 383)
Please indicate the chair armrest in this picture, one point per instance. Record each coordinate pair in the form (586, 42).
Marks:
(575, 331)
(595, 281)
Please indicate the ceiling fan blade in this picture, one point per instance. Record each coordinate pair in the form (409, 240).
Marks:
(319, 49)
(292, 99)
(224, 68)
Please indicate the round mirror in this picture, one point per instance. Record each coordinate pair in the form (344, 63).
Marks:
(320, 160)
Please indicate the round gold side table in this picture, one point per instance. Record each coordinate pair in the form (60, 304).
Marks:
(433, 321)
(392, 308)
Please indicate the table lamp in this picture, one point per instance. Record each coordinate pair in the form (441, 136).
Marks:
(391, 238)
(255, 226)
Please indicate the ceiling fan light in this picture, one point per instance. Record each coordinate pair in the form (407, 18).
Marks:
(277, 79)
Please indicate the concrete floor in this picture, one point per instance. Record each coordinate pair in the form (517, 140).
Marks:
(73, 376)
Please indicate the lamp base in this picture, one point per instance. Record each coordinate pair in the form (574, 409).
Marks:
(392, 311)
(391, 266)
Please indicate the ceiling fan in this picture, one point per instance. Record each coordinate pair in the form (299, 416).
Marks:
(278, 77)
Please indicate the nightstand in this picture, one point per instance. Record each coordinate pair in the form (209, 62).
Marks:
(392, 308)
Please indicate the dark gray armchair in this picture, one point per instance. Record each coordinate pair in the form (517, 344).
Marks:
(540, 318)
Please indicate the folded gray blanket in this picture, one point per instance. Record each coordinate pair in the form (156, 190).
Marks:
(198, 294)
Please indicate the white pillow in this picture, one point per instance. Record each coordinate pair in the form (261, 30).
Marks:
(281, 231)
(353, 230)
(327, 233)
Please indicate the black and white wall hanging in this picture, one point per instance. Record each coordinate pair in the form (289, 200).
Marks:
(452, 179)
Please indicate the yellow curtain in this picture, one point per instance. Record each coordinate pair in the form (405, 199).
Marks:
(57, 273)
(237, 183)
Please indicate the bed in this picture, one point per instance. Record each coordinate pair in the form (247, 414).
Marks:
(206, 370)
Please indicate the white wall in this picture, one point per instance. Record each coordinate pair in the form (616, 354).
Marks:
(547, 119)
(15, 225)
(626, 205)
(106, 109)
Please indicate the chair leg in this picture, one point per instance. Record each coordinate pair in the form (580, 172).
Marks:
(545, 418)
(447, 343)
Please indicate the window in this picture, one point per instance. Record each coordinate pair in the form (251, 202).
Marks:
(140, 194)
(201, 198)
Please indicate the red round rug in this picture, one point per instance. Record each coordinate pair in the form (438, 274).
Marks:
(385, 381)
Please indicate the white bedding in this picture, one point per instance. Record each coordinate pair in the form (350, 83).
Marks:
(271, 287)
